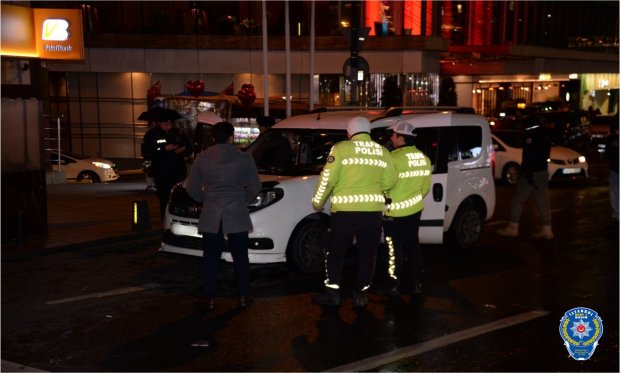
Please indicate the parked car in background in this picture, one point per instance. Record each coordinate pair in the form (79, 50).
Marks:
(563, 163)
(83, 168)
(287, 228)
(566, 128)
(601, 128)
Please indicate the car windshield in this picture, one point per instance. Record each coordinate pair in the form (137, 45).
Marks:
(301, 151)
(513, 139)
(294, 152)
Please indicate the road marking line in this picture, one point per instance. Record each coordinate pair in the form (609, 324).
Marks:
(374, 362)
(108, 293)
(9, 366)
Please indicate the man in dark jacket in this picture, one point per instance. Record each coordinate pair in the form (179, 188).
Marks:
(166, 147)
(534, 180)
(225, 180)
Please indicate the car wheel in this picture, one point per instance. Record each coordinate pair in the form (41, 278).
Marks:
(466, 228)
(307, 250)
(511, 173)
(88, 176)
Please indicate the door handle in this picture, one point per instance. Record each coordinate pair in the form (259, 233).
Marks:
(437, 192)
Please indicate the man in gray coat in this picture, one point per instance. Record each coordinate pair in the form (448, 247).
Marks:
(225, 179)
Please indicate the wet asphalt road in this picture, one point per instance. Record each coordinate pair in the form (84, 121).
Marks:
(124, 306)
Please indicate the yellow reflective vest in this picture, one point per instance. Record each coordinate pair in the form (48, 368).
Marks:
(357, 173)
(414, 182)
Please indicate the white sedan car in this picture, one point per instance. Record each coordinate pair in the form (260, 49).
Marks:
(84, 168)
(563, 163)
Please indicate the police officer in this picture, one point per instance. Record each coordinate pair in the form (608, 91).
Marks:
(167, 148)
(356, 175)
(401, 222)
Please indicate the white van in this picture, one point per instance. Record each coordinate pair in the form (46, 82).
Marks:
(287, 228)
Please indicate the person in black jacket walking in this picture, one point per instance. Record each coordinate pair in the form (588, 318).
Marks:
(166, 147)
(534, 180)
(611, 153)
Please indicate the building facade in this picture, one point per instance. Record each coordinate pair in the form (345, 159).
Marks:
(311, 56)
(484, 46)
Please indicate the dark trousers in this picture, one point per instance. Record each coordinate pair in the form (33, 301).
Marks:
(212, 245)
(163, 186)
(404, 252)
(366, 228)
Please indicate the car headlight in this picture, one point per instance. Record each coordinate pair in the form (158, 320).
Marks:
(181, 204)
(101, 165)
(266, 197)
(582, 159)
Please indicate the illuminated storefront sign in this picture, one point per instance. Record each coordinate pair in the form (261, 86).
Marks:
(50, 34)
(18, 32)
(59, 34)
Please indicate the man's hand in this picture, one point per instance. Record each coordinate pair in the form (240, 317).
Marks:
(179, 149)
(171, 147)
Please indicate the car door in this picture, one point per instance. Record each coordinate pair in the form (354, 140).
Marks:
(428, 140)
(68, 165)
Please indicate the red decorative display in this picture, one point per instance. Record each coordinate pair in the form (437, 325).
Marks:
(246, 94)
(195, 87)
(153, 92)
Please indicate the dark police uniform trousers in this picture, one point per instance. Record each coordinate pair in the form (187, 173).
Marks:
(366, 228)
(407, 252)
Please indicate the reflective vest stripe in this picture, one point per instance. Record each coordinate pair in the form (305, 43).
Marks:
(356, 198)
(405, 204)
(414, 173)
(320, 190)
(364, 161)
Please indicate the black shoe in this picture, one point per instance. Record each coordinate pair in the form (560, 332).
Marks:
(201, 343)
(417, 288)
(330, 297)
(360, 299)
(244, 301)
(210, 303)
(383, 290)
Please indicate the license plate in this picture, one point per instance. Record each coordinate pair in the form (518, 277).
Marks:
(184, 230)
(571, 170)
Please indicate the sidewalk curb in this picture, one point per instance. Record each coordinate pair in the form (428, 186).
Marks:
(16, 254)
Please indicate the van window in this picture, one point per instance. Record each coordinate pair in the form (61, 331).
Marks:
(447, 144)
(469, 141)
(427, 140)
